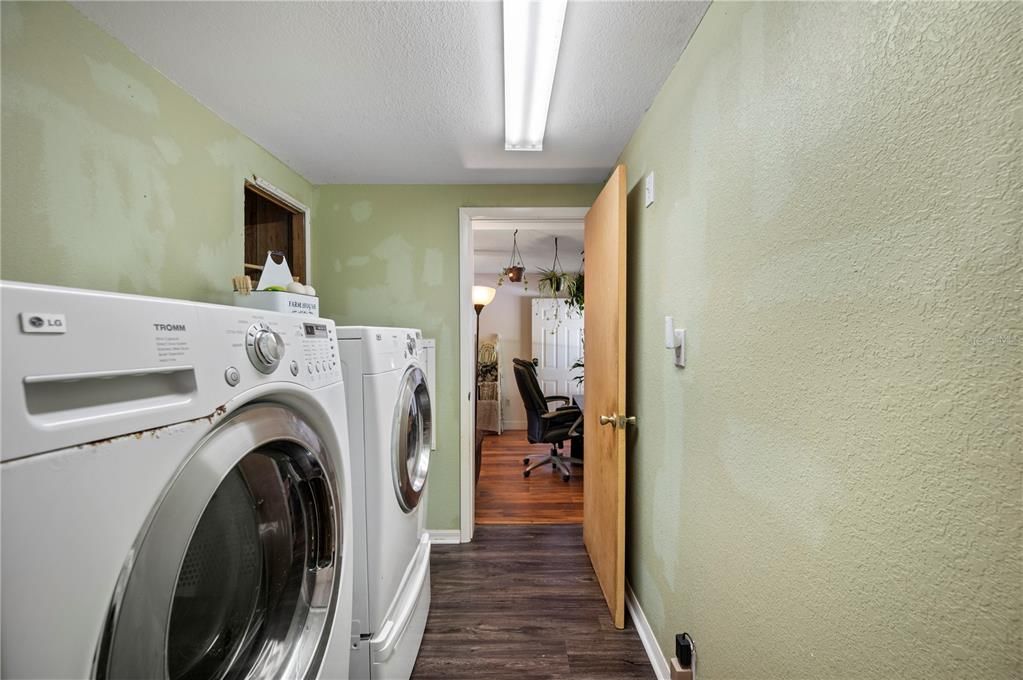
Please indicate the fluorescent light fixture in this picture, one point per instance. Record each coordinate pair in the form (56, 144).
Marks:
(532, 38)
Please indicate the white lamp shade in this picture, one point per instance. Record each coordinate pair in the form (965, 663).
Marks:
(483, 295)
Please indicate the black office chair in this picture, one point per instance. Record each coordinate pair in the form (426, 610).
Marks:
(547, 426)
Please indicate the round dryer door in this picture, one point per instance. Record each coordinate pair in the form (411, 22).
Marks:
(237, 573)
(412, 433)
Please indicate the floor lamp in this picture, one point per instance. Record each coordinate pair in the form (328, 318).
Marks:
(481, 297)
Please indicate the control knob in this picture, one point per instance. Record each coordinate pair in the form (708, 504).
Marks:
(264, 346)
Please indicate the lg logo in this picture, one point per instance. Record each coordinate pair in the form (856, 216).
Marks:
(43, 323)
(39, 322)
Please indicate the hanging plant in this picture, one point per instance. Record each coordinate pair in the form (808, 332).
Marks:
(575, 290)
(516, 269)
(553, 281)
(576, 293)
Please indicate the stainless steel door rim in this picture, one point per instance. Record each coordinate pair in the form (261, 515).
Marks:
(259, 493)
(410, 438)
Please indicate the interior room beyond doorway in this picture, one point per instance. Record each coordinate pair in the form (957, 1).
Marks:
(539, 325)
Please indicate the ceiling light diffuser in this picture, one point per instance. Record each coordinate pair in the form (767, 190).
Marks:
(532, 39)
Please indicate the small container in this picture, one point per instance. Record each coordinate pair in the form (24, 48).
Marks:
(279, 301)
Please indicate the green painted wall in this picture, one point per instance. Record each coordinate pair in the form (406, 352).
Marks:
(112, 176)
(832, 487)
(387, 255)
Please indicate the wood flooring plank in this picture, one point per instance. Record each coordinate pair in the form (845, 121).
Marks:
(522, 603)
(504, 496)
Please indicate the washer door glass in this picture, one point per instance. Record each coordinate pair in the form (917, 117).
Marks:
(250, 590)
(411, 439)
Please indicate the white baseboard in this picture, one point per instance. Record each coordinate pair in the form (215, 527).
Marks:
(445, 536)
(515, 424)
(646, 635)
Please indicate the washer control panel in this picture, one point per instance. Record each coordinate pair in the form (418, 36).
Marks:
(319, 360)
(284, 347)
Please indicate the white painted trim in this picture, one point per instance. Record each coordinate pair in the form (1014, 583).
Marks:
(298, 206)
(467, 472)
(466, 331)
(646, 635)
(445, 536)
(515, 424)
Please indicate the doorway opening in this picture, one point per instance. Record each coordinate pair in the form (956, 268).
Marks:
(528, 321)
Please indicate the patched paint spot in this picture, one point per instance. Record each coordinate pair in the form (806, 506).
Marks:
(357, 261)
(337, 264)
(361, 211)
(126, 88)
(123, 188)
(224, 152)
(169, 149)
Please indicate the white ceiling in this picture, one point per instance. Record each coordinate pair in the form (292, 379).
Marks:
(492, 245)
(407, 92)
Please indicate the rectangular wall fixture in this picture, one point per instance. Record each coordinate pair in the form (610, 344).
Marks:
(532, 39)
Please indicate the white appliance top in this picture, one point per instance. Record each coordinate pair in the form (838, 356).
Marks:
(384, 349)
(80, 366)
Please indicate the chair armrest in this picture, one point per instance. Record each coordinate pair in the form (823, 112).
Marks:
(568, 414)
(558, 397)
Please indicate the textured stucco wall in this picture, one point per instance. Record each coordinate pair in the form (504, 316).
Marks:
(112, 176)
(832, 487)
(388, 255)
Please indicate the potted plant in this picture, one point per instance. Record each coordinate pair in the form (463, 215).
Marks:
(576, 292)
(552, 282)
(516, 270)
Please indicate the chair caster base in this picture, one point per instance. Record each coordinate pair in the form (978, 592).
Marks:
(525, 461)
(525, 473)
(565, 478)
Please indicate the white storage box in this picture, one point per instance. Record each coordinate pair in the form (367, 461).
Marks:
(278, 274)
(278, 301)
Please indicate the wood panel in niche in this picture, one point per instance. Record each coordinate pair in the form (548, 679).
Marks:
(270, 224)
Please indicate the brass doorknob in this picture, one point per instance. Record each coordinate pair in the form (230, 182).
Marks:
(615, 420)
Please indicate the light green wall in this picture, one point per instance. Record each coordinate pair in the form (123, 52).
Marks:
(387, 255)
(112, 176)
(831, 488)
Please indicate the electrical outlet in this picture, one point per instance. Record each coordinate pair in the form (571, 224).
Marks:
(648, 186)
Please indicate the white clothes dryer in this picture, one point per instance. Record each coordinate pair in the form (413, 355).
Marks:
(176, 494)
(390, 420)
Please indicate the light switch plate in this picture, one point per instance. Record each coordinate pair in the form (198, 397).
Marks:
(648, 186)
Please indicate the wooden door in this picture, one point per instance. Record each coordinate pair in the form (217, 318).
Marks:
(557, 344)
(604, 420)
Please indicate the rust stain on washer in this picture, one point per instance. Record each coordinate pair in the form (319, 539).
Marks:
(155, 431)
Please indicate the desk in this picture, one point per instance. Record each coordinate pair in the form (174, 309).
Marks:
(577, 442)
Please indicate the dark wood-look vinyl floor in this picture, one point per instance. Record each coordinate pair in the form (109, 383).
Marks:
(504, 496)
(522, 602)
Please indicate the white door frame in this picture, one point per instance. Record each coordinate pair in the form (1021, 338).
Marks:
(541, 218)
